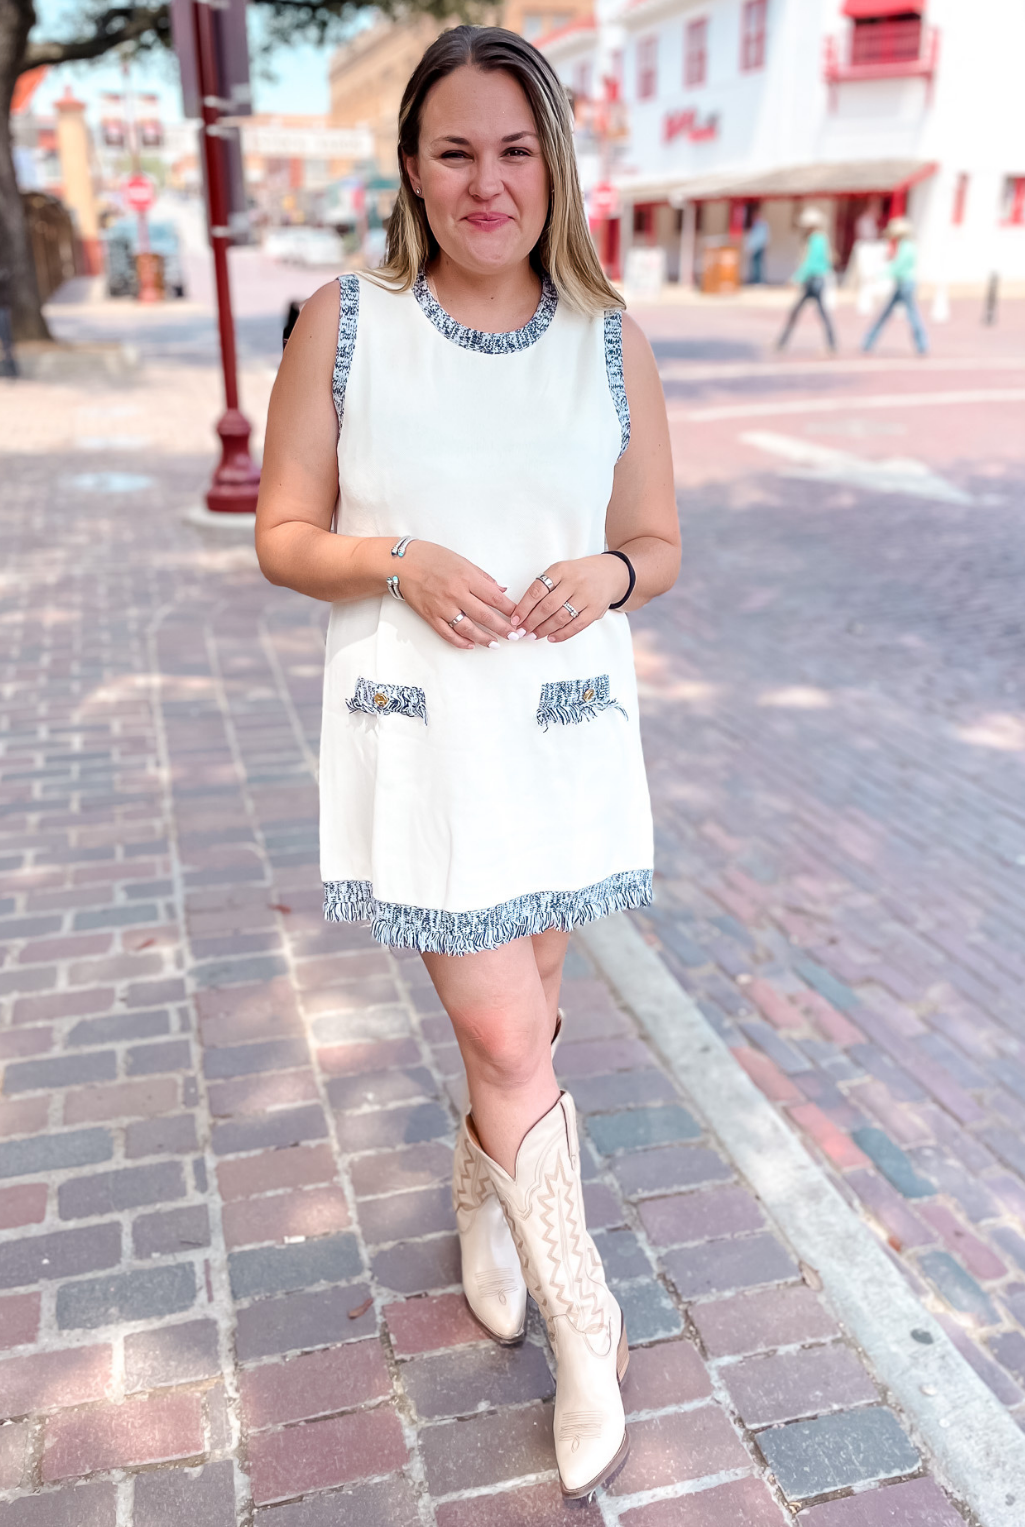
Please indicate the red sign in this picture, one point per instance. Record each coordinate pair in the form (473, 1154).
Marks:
(604, 201)
(139, 193)
(685, 124)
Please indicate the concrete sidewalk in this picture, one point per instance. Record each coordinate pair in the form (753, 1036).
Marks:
(227, 1251)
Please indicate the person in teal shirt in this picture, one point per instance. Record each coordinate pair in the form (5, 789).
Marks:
(811, 276)
(902, 271)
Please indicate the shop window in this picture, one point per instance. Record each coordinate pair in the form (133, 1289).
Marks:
(533, 25)
(887, 39)
(647, 69)
(960, 200)
(695, 52)
(1014, 201)
(752, 34)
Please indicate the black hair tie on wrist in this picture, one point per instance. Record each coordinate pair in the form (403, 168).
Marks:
(633, 577)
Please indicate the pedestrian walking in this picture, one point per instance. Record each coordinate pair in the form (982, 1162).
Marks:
(756, 241)
(902, 271)
(491, 428)
(811, 275)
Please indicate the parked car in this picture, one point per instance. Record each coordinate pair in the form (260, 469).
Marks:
(122, 238)
(303, 245)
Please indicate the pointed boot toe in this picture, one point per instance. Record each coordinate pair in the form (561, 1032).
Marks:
(591, 1439)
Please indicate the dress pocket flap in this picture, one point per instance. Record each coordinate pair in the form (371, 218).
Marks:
(389, 700)
(569, 701)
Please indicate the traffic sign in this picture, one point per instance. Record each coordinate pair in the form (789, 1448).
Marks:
(139, 193)
(603, 201)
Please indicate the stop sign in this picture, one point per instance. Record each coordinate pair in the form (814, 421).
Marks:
(138, 192)
(604, 201)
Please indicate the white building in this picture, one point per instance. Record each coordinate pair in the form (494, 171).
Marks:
(738, 105)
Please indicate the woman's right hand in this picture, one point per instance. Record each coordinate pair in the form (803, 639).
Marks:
(438, 584)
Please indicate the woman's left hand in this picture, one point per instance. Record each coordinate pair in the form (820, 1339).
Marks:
(588, 585)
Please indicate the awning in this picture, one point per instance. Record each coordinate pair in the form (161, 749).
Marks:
(874, 10)
(857, 177)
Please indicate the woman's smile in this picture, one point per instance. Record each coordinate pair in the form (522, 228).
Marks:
(487, 221)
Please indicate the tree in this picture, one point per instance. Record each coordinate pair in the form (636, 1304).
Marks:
(144, 26)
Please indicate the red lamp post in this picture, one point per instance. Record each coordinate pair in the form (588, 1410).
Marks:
(236, 480)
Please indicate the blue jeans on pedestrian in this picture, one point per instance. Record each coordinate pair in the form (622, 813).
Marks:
(811, 291)
(903, 292)
(756, 274)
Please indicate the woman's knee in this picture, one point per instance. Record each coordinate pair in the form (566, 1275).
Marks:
(502, 1046)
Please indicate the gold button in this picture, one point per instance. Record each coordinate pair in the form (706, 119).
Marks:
(380, 699)
(588, 694)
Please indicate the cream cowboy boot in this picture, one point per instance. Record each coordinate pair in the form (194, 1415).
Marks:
(544, 1204)
(492, 1280)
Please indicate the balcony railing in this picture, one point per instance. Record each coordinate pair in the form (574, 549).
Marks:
(885, 50)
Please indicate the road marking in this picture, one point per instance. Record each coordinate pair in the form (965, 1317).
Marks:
(977, 1448)
(710, 371)
(822, 463)
(107, 482)
(849, 403)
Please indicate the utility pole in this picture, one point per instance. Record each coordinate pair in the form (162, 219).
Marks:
(236, 478)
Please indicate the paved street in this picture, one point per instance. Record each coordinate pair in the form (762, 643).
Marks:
(227, 1258)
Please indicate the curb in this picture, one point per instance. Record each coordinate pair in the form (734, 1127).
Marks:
(975, 1444)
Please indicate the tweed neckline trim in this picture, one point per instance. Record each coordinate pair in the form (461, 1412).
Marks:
(508, 343)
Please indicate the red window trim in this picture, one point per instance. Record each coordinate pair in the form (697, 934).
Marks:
(960, 199)
(695, 52)
(647, 67)
(1016, 214)
(753, 27)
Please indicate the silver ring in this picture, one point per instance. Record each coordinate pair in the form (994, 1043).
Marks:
(572, 613)
(461, 616)
(544, 578)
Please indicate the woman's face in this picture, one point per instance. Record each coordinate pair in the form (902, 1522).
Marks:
(485, 184)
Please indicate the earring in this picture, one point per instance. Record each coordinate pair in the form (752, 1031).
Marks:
(418, 190)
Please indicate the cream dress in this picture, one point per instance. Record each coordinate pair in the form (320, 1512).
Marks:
(472, 798)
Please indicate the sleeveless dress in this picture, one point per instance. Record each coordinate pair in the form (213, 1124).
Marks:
(469, 798)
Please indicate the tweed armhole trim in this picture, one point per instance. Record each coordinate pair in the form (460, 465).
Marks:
(614, 370)
(433, 931)
(348, 318)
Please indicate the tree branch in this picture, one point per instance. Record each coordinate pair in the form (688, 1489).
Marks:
(111, 28)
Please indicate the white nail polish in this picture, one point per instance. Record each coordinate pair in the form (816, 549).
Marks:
(493, 646)
(513, 636)
(531, 636)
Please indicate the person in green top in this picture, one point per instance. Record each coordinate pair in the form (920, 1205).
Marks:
(901, 270)
(811, 275)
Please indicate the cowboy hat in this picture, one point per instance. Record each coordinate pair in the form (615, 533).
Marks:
(899, 228)
(811, 217)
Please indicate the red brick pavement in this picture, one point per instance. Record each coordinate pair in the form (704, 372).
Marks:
(228, 1265)
(835, 732)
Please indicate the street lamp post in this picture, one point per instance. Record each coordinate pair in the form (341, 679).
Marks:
(236, 478)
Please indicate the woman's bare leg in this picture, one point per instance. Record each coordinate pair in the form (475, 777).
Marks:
(502, 1003)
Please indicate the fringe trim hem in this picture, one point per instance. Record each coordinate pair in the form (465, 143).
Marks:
(432, 931)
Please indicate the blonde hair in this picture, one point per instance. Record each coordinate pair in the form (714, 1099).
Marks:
(564, 250)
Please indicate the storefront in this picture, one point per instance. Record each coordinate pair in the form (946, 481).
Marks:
(737, 110)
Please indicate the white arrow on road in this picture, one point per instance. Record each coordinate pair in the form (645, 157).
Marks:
(897, 474)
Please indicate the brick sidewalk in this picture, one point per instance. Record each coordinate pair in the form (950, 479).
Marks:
(227, 1255)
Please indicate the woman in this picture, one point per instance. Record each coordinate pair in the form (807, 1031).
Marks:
(811, 275)
(485, 421)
